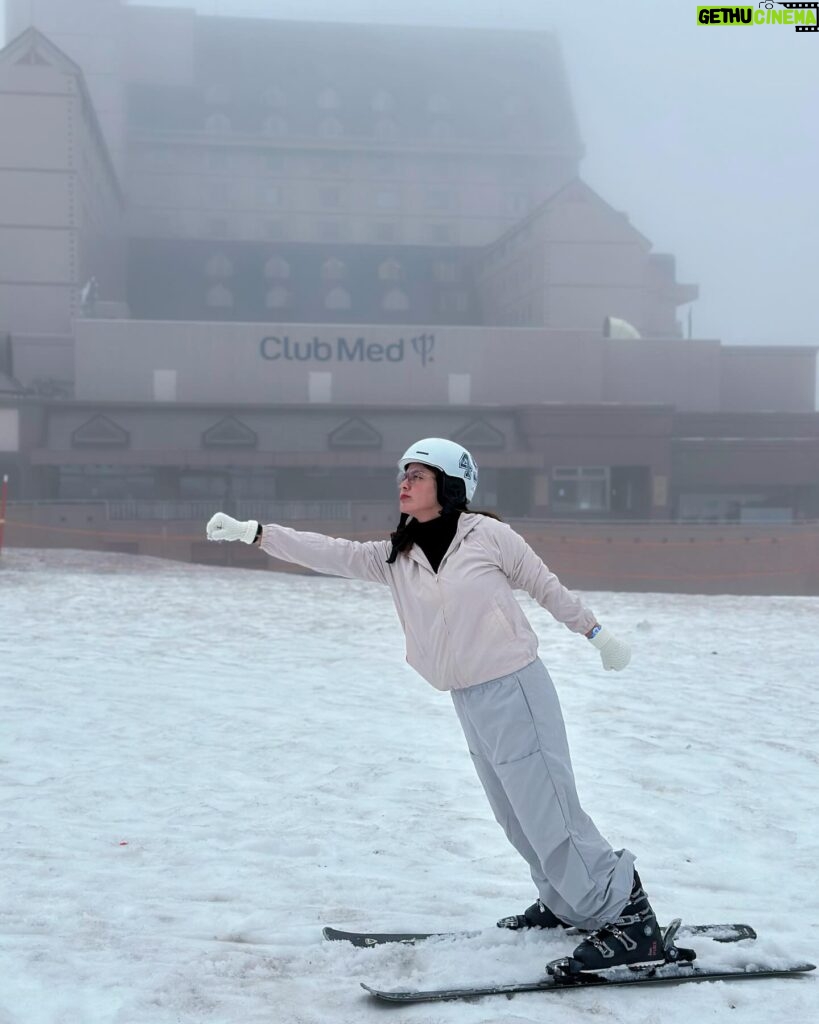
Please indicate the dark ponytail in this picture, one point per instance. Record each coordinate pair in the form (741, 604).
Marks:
(483, 512)
(401, 537)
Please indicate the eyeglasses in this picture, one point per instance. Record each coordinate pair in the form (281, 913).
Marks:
(414, 476)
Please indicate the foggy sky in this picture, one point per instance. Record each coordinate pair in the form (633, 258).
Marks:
(705, 136)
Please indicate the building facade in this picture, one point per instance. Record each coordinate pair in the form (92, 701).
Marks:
(244, 262)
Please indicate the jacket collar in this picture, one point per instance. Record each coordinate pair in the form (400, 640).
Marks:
(467, 522)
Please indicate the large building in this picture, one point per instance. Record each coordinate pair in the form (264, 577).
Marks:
(244, 262)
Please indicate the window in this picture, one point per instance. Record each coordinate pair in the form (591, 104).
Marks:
(331, 165)
(328, 99)
(441, 234)
(217, 193)
(218, 265)
(277, 269)
(275, 97)
(217, 227)
(115, 483)
(229, 432)
(580, 488)
(272, 195)
(386, 128)
(384, 167)
(217, 95)
(395, 301)
(100, 431)
(390, 270)
(440, 129)
(275, 164)
(437, 103)
(330, 230)
(333, 270)
(217, 160)
(277, 297)
(274, 229)
(456, 301)
(382, 101)
(330, 128)
(439, 199)
(446, 272)
(337, 298)
(330, 197)
(386, 199)
(219, 297)
(274, 125)
(385, 231)
(217, 123)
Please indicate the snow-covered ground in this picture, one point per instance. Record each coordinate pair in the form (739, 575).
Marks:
(200, 767)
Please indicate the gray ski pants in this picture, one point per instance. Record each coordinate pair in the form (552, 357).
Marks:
(517, 739)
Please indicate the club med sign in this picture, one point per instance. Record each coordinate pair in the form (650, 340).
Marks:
(347, 350)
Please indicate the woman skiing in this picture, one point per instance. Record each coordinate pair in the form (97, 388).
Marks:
(452, 574)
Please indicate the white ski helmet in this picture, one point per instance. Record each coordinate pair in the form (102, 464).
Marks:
(451, 458)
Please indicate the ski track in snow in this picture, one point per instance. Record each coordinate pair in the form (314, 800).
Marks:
(272, 765)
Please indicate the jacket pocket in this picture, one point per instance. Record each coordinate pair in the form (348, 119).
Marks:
(503, 618)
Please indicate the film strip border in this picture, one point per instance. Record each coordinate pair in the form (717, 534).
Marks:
(801, 7)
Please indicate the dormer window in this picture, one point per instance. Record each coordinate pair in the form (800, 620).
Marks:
(396, 300)
(278, 297)
(337, 298)
(277, 269)
(334, 269)
(219, 297)
(390, 270)
(275, 125)
(218, 265)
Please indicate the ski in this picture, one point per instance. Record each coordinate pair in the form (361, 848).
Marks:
(671, 974)
(717, 932)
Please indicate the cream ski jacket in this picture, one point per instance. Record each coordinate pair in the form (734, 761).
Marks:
(463, 625)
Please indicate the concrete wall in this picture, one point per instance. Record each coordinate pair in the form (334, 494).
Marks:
(373, 365)
(766, 379)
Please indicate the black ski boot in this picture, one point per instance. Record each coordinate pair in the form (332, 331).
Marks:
(536, 916)
(633, 940)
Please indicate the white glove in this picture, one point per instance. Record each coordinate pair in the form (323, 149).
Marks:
(615, 654)
(222, 527)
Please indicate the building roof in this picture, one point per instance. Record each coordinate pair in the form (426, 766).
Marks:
(473, 86)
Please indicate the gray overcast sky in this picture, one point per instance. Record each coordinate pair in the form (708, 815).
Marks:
(705, 136)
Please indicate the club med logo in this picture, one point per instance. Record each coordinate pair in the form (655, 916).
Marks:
(346, 350)
(803, 16)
